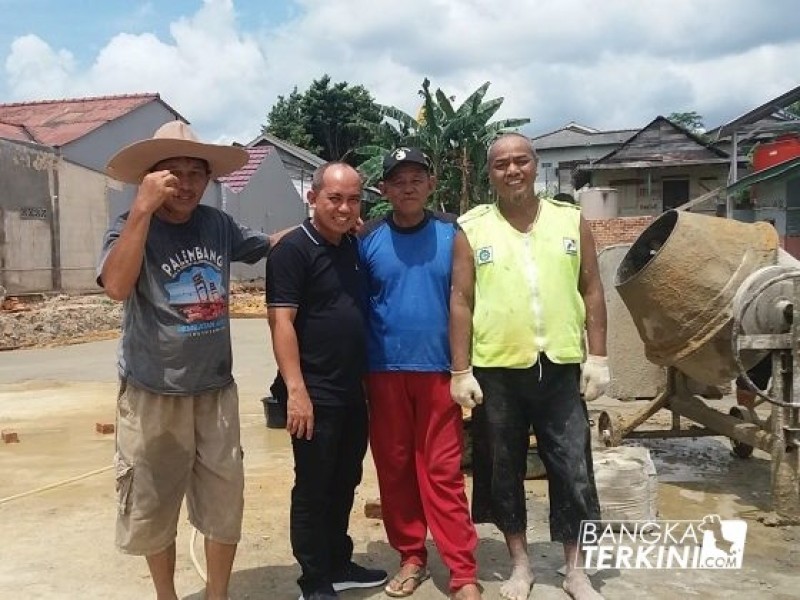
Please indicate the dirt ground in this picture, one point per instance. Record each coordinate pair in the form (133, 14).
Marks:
(57, 542)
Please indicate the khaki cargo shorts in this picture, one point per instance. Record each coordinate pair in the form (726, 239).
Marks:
(168, 447)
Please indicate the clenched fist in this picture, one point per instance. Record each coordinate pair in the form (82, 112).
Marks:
(464, 388)
(594, 377)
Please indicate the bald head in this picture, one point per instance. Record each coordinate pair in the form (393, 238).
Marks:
(512, 168)
(337, 168)
(515, 137)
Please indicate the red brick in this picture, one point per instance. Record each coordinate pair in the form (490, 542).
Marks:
(104, 428)
(10, 437)
(372, 509)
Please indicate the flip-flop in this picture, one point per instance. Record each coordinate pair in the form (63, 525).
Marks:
(417, 577)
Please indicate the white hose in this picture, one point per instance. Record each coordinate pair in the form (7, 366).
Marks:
(197, 566)
(52, 486)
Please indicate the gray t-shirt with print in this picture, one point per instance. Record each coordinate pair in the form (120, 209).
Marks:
(176, 330)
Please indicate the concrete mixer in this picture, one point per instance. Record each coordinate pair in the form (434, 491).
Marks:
(710, 298)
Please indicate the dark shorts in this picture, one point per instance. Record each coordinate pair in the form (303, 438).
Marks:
(544, 398)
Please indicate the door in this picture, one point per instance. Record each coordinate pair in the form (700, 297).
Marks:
(674, 192)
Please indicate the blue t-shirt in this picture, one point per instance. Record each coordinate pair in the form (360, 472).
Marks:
(408, 284)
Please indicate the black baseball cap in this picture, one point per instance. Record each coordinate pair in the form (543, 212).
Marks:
(404, 154)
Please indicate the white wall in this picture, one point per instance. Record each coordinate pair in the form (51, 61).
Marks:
(550, 158)
(26, 216)
(27, 253)
(83, 219)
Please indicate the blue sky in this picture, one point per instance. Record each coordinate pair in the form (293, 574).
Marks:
(222, 63)
(84, 27)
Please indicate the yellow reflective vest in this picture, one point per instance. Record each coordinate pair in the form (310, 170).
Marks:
(526, 287)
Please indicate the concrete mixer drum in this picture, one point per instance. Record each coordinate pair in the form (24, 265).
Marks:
(711, 298)
(678, 281)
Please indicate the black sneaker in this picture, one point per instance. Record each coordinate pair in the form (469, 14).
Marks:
(356, 576)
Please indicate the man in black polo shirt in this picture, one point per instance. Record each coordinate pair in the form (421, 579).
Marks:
(315, 303)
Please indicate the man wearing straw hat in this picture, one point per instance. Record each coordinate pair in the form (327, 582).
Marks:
(168, 259)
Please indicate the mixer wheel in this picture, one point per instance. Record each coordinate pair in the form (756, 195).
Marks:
(738, 448)
(609, 426)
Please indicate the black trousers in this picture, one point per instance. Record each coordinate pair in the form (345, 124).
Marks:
(328, 467)
(545, 398)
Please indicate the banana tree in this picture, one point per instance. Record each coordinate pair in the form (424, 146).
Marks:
(456, 139)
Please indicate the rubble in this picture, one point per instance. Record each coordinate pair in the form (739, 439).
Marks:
(58, 320)
(36, 321)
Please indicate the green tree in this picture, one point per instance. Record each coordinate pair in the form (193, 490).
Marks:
(287, 121)
(794, 109)
(456, 139)
(321, 119)
(688, 120)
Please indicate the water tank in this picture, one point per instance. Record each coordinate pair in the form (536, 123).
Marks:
(598, 203)
(783, 148)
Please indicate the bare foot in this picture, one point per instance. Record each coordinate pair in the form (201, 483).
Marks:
(577, 585)
(467, 592)
(518, 586)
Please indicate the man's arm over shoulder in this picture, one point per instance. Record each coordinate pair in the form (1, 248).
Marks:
(250, 246)
(590, 287)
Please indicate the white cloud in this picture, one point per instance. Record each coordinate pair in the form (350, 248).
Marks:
(615, 64)
(208, 71)
(35, 70)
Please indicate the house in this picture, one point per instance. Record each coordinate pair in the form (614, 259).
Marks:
(769, 188)
(262, 195)
(55, 200)
(562, 150)
(757, 125)
(301, 164)
(661, 166)
(298, 162)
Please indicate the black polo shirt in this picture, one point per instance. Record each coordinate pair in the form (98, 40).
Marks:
(324, 282)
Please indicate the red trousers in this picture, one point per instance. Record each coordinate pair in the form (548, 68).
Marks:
(416, 436)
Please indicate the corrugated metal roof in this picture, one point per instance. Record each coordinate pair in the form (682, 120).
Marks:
(787, 168)
(761, 112)
(59, 122)
(571, 137)
(238, 180)
(661, 141)
(301, 153)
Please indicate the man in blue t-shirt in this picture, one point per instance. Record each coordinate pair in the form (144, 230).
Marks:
(416, 431)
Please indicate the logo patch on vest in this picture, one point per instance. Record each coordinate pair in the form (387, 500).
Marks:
(570, 246)
(484, 255)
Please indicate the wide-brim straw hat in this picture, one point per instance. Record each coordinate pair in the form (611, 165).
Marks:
(172, 140)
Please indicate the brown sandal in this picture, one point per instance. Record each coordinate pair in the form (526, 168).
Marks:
(399, 582)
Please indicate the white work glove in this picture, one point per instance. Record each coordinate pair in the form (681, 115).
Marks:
(464, 388)
(594, 377)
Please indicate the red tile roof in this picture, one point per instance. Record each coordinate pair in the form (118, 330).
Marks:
(238, 180)
(59, 122)
(14, 132)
